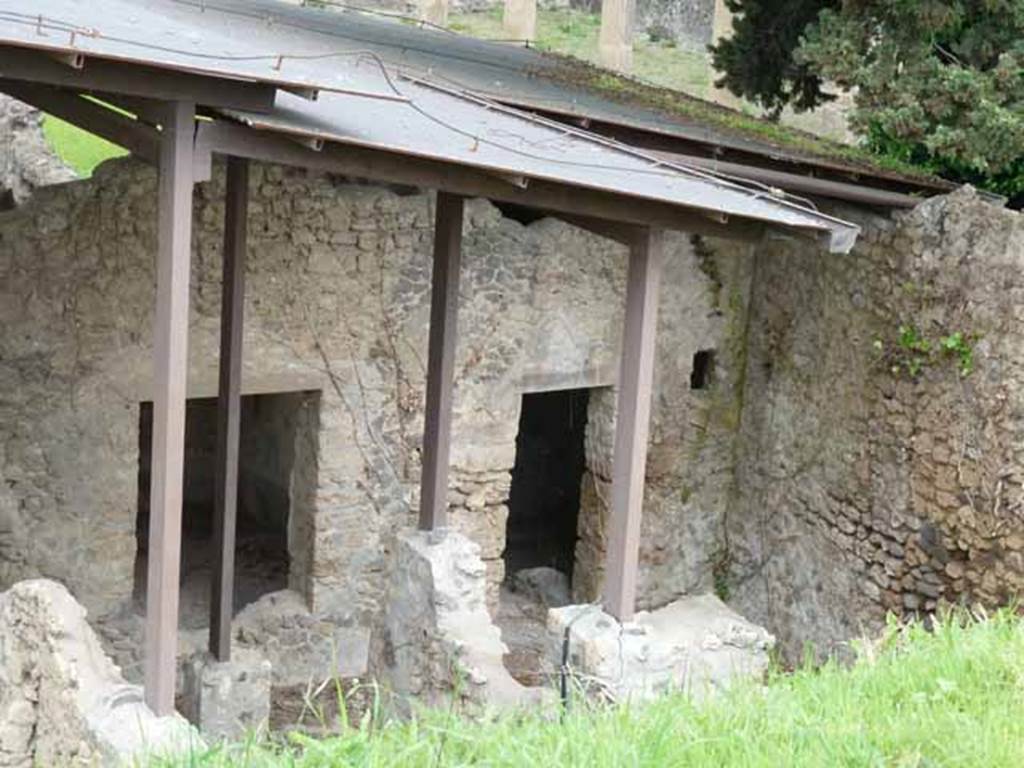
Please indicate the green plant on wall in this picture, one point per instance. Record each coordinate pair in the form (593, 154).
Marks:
(959, 346)
(913, 351)
(721, 564)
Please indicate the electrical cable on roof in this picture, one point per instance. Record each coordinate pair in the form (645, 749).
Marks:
(744, 185)
(757, 189)
(748, 186)
(40, 21)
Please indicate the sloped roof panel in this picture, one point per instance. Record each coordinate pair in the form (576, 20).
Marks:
(184, 35)
(446, 125)
(363, 101)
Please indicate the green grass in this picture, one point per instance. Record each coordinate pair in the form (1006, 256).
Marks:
(575, 33)
(79, 149)
(914, 699)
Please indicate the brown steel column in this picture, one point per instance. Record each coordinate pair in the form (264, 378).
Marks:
(444, 302)
(229, 401)
(170, 344)
(636, 374)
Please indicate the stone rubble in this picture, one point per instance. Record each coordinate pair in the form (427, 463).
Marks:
(438, 640)
(300, 645)
(546, 586)
(62, 701)
(697, 645)
(26, 159)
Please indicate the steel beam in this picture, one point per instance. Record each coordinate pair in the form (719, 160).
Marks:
(444, 302)
(147, 111)
(636, 375)
(626, 234)
(229, 400)
(170, 344)
(136, 80)
(225, 138)
(797, 183)
(139, 139)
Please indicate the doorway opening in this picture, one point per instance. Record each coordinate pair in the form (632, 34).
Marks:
(540, 535)
(276, 430)
(544, 501)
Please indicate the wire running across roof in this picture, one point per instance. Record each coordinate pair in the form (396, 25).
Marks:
(530, 79)
(178, 35)
(364, 102)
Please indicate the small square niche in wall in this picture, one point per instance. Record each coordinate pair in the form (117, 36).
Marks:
(702, 373)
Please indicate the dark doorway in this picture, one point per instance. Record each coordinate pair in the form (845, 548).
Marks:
(270, 427)
(545, 497)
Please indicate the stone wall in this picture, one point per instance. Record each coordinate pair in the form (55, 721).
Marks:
(26, 159)
(337, 303)
(691, 449)
(863, 484)
(688, 22)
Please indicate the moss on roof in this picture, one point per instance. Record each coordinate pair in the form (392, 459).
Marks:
(680, 106)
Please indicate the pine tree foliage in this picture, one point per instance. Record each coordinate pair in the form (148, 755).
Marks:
(936, 82)
(758, 61)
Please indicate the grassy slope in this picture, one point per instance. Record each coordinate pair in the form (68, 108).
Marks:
(574, 33)
(954, 697)
(81, 150)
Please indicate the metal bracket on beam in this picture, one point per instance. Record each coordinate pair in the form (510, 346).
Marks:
(627, 234)
(74, 60)
(516, 180)
(309, 94)
(309, 142)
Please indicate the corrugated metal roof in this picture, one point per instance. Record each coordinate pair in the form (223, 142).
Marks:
(429, 121)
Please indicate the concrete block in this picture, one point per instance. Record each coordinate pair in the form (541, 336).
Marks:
(225, 700)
